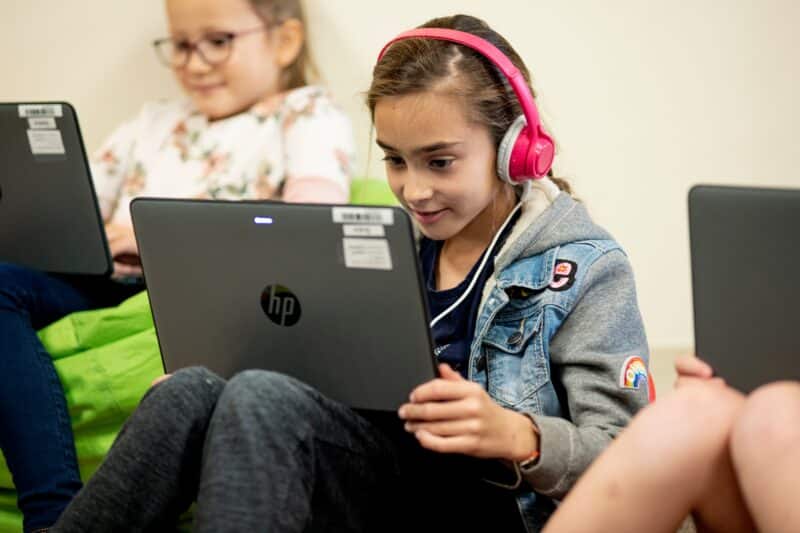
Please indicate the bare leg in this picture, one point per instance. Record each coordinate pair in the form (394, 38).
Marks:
(673, 460)
(765, 446)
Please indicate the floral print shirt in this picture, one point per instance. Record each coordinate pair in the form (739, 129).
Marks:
(295, 146)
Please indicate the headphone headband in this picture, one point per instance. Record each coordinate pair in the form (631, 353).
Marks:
(490, 52)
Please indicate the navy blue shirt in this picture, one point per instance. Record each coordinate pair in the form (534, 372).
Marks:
(453, 334)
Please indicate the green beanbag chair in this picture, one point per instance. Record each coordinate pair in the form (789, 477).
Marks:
(106, 359)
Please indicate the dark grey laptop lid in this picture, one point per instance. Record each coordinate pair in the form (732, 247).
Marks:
(745, 245)
(49, 218)
(216, 272)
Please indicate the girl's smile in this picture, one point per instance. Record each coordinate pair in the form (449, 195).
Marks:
(427, 218)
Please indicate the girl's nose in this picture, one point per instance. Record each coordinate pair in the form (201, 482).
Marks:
(417, 189)
(196, 64)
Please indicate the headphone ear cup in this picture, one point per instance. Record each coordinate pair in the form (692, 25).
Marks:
(540, 158)
(519, 159)
(506, 149)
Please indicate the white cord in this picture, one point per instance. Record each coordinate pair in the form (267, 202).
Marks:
(486, 256)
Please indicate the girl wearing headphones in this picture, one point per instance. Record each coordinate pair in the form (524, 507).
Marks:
(541, 346)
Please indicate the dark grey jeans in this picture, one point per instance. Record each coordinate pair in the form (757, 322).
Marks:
(264, 452)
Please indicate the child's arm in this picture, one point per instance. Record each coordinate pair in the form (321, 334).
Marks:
(318, 151)
(588, 356)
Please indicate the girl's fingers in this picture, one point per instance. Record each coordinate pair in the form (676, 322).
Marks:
(683, 381)
(460, 444)
(693, 367)
(440, 411)
(159, 379)
(449, 374)
(441, 389)
(122, 270)
(449, 428)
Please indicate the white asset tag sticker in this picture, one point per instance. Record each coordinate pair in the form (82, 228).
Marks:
(42, 123)
(372, 254)
(363, 230)
(46, 142)
(363, 215)
(39, 110)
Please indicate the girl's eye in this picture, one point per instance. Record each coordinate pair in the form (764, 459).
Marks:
(182, 46)
(393, 160)
(219, 41)
(440, 164)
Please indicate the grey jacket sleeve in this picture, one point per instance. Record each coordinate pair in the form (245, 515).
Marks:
(587, 354)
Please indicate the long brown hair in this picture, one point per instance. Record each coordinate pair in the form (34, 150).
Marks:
(417, 65)
(274, 12)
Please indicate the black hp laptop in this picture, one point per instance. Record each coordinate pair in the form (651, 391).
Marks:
(331, 295)
(49, 218)
(745, 245)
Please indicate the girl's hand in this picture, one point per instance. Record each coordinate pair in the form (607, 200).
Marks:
(124, 252)
(692, 369)
(453, 415)
(159, 379)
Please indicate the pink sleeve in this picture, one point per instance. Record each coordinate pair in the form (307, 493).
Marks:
(319, 151)
(311, 190)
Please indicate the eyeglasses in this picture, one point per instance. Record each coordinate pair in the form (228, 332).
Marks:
(213, 48)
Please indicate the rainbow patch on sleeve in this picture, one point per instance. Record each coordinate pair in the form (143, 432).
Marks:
(633, 373)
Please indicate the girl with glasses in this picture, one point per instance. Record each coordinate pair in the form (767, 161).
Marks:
(251, 127)
(246, 129)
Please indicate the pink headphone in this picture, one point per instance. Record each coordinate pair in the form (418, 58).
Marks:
(526, 151)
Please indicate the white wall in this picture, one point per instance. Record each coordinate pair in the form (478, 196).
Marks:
(645, 97)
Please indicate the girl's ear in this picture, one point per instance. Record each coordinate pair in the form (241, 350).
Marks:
(290, 36)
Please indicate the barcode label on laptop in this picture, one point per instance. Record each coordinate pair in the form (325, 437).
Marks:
(42, 123)
(39, 110)
(363, 230)
(46, 142)
(371, 254)
(363, 215)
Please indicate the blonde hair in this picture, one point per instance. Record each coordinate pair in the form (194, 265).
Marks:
(275, 12)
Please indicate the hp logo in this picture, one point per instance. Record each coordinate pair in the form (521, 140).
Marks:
(280, 305)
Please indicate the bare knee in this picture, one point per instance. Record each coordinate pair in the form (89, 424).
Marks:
(769, 422)
(695, 420)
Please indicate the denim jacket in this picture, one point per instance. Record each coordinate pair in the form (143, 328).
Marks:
(560, 339)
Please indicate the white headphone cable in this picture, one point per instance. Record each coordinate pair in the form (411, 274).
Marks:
(480, 268)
